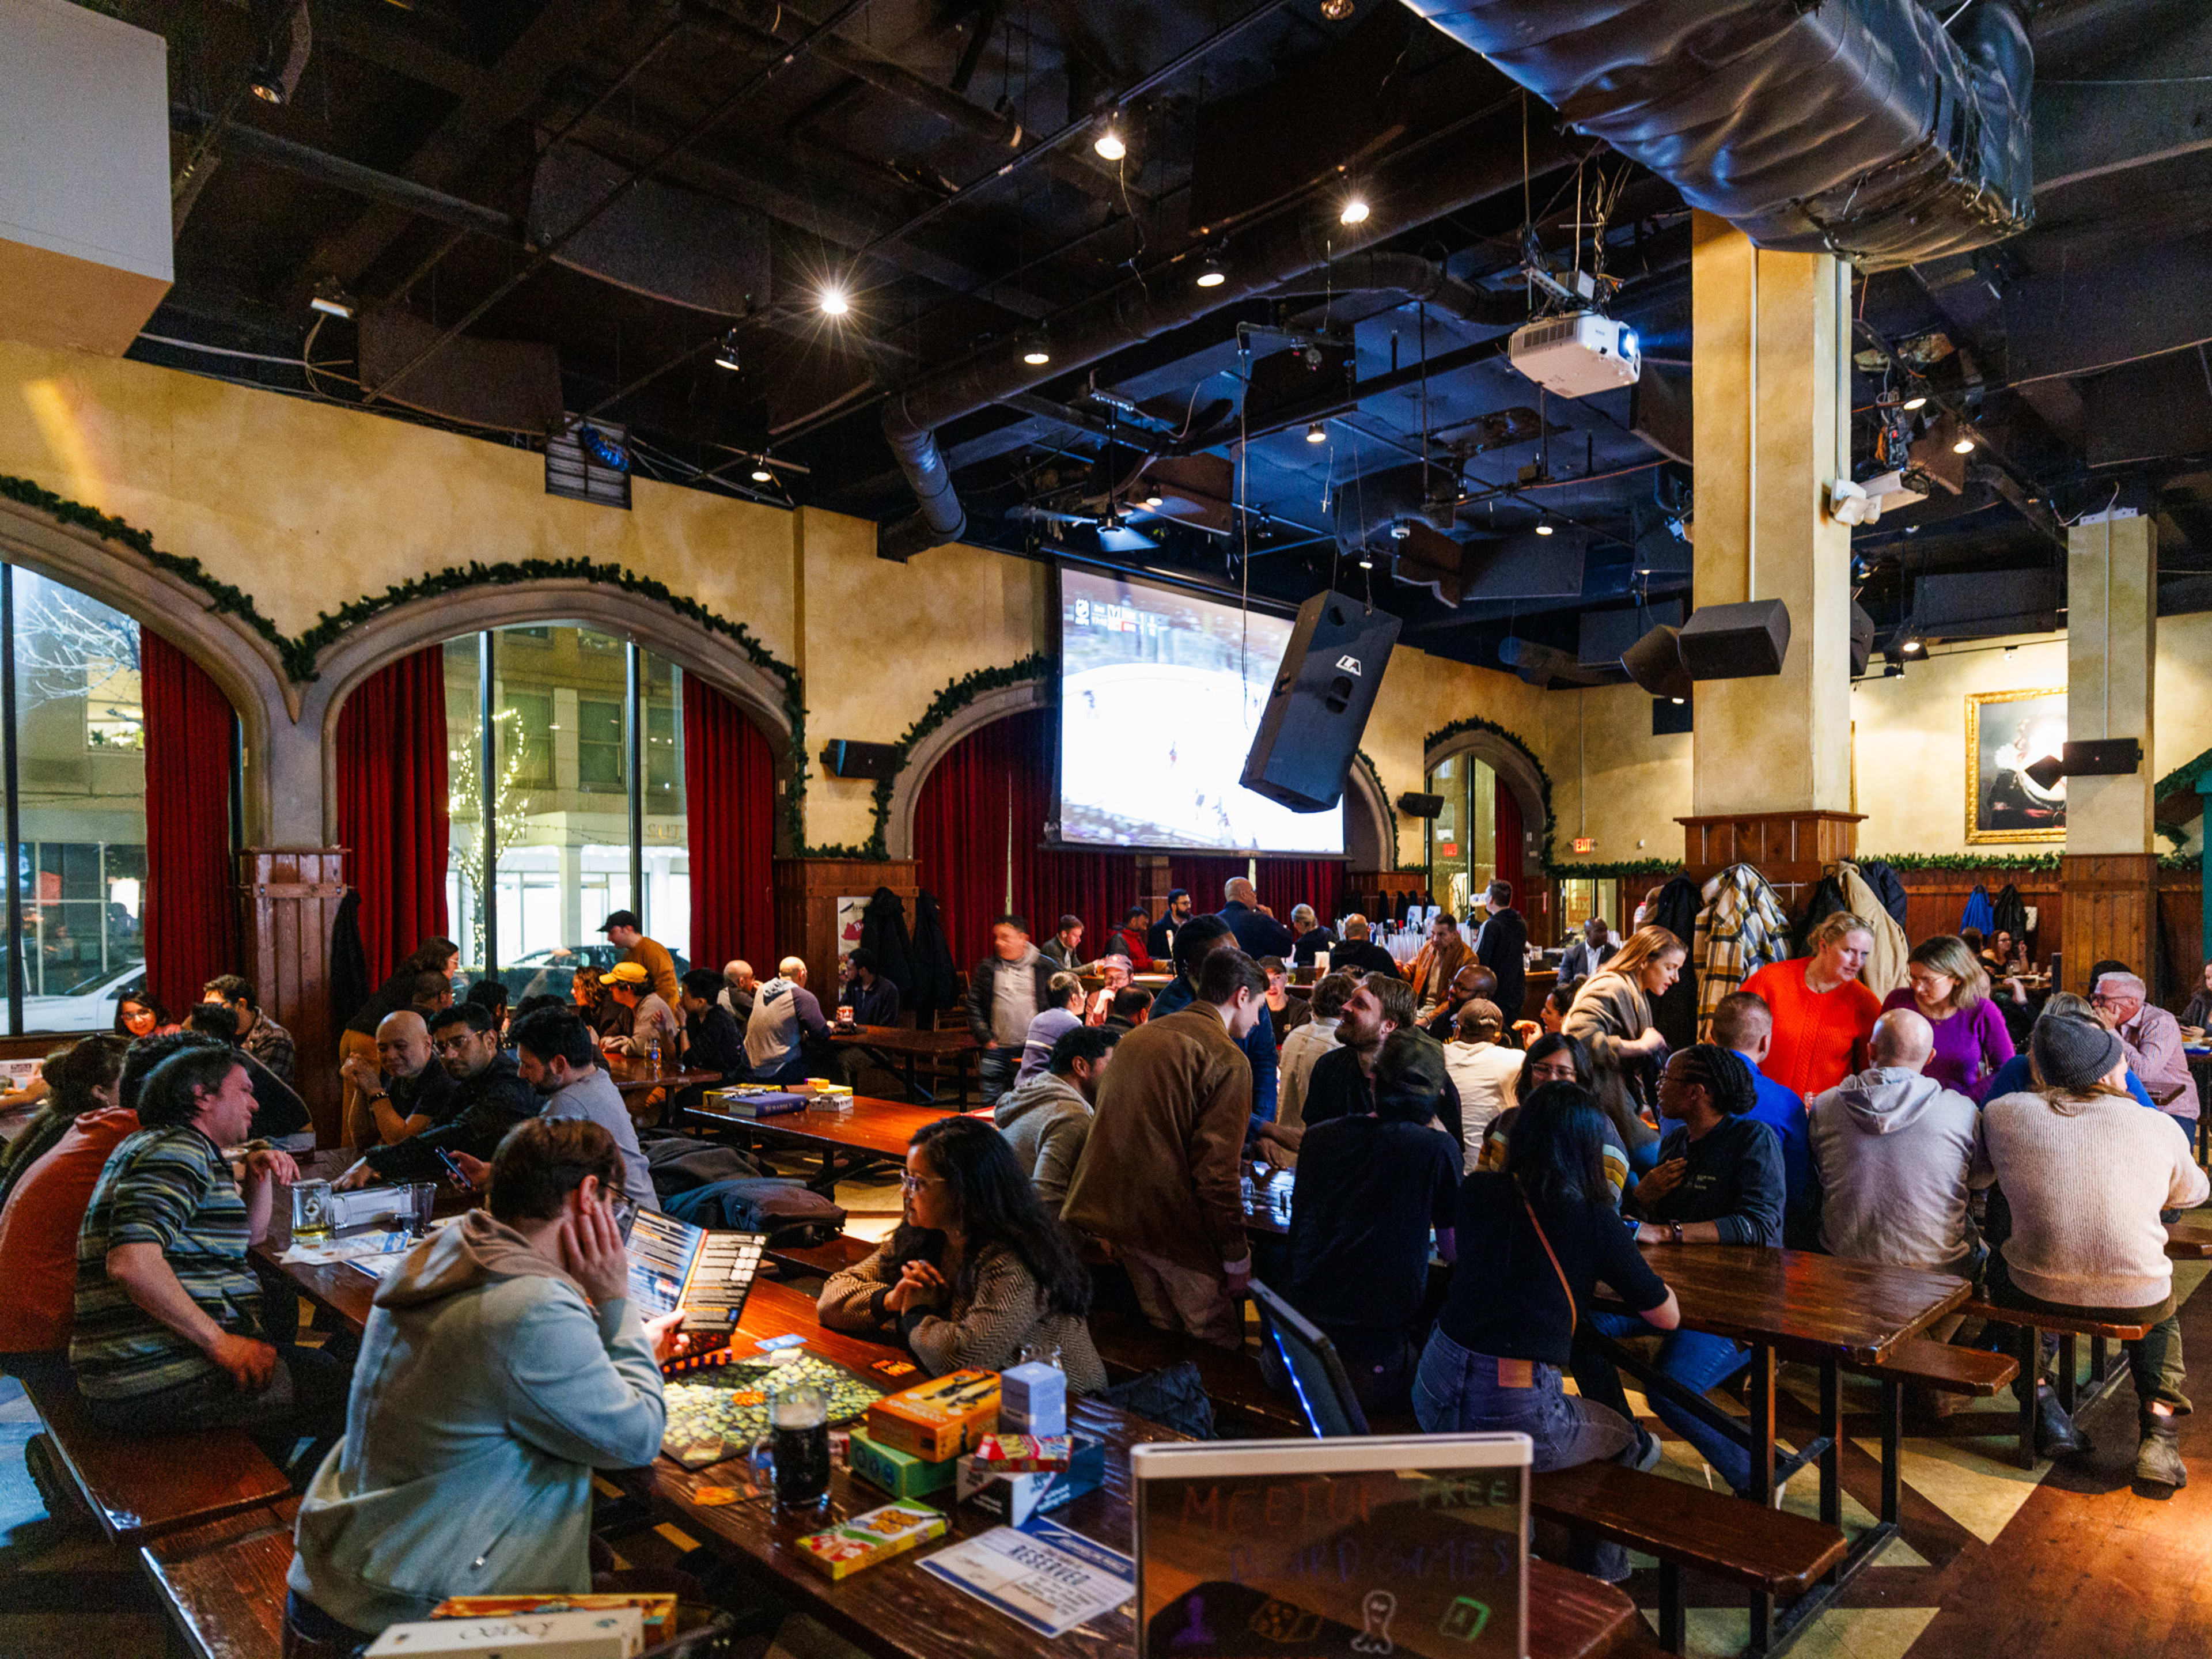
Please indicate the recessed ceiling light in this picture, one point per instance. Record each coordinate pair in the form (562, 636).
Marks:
(1109, 143)
(834, 302)
(1317, 434)
(1036, 357)
(1918, 400)
(1964, 447)
(1210, 274)
(1336, 10)
(1543, 529)
(1354, 210)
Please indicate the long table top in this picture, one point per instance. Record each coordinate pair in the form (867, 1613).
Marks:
(1805, 1305)
(882, 1126)
(907, 1040)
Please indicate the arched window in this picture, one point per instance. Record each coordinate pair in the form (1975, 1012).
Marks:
(1463, 835)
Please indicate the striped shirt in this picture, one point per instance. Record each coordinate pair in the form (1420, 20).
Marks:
(170, 1187)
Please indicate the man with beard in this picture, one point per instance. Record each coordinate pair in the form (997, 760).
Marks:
(1160, 944)
(554, 1055)
(487, 1099)
(1342, 1081)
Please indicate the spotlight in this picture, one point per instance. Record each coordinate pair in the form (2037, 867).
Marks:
(1543, 529)
(834, 302)
(726, 357)
(1918, 400)
(1964, 447)
(1336, 10)
(1155, 500)
(283, 57)
(1912, 647)
(1034, 354)
(1317, 434)
(1354, 210)
(1677, 702)
(1210, 273)
(1366, 560)
(762, 475)
(1108, 143)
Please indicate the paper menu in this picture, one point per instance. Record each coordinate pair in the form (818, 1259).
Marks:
(1042, 1575)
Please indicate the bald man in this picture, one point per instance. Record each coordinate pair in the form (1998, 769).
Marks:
(1258, 933)
(1898, 1154)
(406, 1089)
(785, 1016)
(738, 989)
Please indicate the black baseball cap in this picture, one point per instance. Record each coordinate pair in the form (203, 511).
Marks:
(622, 919)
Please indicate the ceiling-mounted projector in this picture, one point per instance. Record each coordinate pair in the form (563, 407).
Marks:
(1579, 354)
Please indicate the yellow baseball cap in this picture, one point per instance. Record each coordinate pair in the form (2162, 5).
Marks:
(625, 973)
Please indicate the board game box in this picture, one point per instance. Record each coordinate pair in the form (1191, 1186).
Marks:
(941, 1419)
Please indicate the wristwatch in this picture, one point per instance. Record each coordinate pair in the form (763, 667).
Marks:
(1676, 1228)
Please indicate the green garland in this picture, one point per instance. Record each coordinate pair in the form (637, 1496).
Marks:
(2182, 777)
(2038, 861)
(1390, 812)
(1476, 723)
(1618, 869)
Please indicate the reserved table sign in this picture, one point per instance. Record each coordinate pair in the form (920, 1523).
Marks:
(1336, 1549)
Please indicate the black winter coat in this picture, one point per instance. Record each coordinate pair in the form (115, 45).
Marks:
(882, 933)
(1675, 1014)
(936, 980)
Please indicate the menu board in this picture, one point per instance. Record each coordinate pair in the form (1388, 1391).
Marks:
(1336, 1549)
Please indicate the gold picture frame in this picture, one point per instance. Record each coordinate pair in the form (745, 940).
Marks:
(2003, 803)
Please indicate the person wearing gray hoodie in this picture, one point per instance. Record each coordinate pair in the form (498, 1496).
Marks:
(1898, 1154)
(1047, 1118)
(502, 1362)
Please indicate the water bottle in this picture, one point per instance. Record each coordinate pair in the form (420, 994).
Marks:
(653, 1054)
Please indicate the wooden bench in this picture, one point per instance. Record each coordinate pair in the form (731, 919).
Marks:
(1244, 1406)
(834, 1257)
(222, 1582)
(140, 1488)
(1770, 1553)
(2031, 1324)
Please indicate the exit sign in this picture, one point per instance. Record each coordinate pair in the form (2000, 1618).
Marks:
(1585, 844)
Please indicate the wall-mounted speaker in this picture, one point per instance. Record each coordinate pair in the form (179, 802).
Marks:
(1654, 662)
(1862, 639)
(1421, 806)
(846, 758)
(1319, 704)
(1735, 641)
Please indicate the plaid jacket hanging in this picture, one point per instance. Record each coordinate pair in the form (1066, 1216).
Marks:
(1740, 930)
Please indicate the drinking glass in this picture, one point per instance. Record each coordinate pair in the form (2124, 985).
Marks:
(797, 1444)
(311, 1212)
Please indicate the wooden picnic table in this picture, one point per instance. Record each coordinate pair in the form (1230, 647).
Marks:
(341, 1290)
(635, 1075)
(873, 1133)
(897, 1611)
(911, 1045)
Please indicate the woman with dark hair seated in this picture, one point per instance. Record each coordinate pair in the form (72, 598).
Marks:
(137, 1015)
(978, 1270)
(1535, 1240)
(1556, 1057)
(1718, 1181)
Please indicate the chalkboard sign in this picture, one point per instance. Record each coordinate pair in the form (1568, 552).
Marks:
(1334, 1549)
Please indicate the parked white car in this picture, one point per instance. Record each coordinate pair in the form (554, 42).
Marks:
(89, 1008)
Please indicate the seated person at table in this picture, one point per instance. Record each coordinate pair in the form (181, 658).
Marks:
(1718, 1181)
(1046, 1120)
(554, 1057)
(737, 988)
(785, 1015)
(1196, 940)
(1483, 1070)
(501, 1364)
(45, 1204)
(1285, 1012)
(873, 1000)
(1359, 953)
(1258, 933)
(1589, 950)
(1064, 949)
(2150, 1038)
(1061, 1013)
(433, 956)
(405, 1088)
(1130, 939)
(1114, 970)
(2085, 1173)
(1133, 1006)
(1471, 981)
(606, 1017)
(168, 1316)
(1159, 938)
(1535, 1239)
(74, 1076)
(2017, 1075)
(1369, 1189)
(1742, 1024)
(258, 1035)
(711, 1041)
(490, 995)
(1340, 1085)
(279, 1114)
(1950, 989)
(487, 1098)
(978, 1271)
(2198, 1014)
(1555, 1058)
(1301, 1049)
(651, 1019)
(1898, 1154)
(1308, 936)
(1439, 962)
(1158, 1177)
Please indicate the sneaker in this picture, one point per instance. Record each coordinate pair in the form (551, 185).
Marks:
(2157, 1459)
(2054, 1433)
(1646, 1453)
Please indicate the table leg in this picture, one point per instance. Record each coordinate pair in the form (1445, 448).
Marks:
(1893, 1432)
(2068, 1396)
(2100, 1361)
(2029, 1385)
(1832, 1461)
(1762, 1425)
(1673, 1623)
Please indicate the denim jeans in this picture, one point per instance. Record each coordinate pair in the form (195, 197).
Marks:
(2156, 1365)
(995, 1071)
(1457, 1392)
(1695, 1360)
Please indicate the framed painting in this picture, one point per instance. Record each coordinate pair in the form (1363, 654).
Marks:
(2007, 733)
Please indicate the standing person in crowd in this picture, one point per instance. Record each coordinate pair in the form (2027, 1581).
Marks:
(737, 988)
(1062, 1012)
(168, 1316)
(1301, 1049)
(1047, 1119)
(2017, 1074)
(651, 1019)
(1157, 1180)
(1258, 933)
(1159, 941)
(1745, 1026)
(1132, 940)
(1438, 964)
(1341, 1082)
(1950, 989)
(137, 1015)
(406, 1089)
(1008, 989)
(1133, 1006)
(1285, 1012)
(487, 1098)
(1194, 941)
(1483, 1070)
(1823, 1016)
(2086, 1173)
(977, 1270)
(873, 998)
(785, 1016)
(1502, 946)
(1370, 1189)
(1718, 1181)
(1359, 953)
(502, 1362)
(2151, 1039)
(554, 1057)
(1064, 949)
(1612, 1019)
(433, 994)
(621, 929)
(80, 1078)
(712, 1040)
(1535, 1240)
(279, 1114)
(258, 1035)
(435, 955)
(1114, 972)
(1900, 1158)
(2198, 1013)
(1589, 950)
(1307, 935)
(1471, 981)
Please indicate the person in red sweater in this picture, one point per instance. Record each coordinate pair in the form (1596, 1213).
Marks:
(1823, 1016)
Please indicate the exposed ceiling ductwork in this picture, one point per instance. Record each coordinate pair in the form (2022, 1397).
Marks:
(1441, 178)
(1857, 127)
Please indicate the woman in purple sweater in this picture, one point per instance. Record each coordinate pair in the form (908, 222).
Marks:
(1950, 989)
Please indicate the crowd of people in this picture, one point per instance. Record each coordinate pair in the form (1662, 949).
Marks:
(1424, 1119)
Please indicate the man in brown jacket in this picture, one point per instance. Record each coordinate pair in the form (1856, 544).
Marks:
(1158, 1179)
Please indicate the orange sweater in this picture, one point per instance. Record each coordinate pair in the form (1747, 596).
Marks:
(1815, 1032)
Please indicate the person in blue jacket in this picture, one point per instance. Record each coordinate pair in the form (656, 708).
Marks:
(1193, 942)
(1258, 933)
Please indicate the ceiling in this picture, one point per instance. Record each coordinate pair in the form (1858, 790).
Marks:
(935, 162)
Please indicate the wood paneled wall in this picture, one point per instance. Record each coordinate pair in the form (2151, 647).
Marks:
(289, 905)
(806, 895)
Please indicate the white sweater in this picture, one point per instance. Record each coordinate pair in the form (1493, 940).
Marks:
(2086, 1187)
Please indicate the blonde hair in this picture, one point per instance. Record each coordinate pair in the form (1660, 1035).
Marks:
(1643, 945)
(2065, 1005)
(1836, 925)
(1949, 955)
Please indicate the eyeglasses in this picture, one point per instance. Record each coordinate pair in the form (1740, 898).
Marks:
(914, 1183)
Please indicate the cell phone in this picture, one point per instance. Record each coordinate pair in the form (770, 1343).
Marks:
(625, 1211)
(453, 1170)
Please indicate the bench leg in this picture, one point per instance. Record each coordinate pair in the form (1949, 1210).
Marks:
(2100, 1360)
(2029, 1384)
(2067, 1387)
(1674, 1622)
(1762, 1426)
(1892, 1432)
(1832, 1461)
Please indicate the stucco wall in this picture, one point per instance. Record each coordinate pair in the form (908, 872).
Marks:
(1423, 694)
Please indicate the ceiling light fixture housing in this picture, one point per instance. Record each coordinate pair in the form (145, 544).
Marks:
(725, 356)
(1109, 143)
(762, 475)
(1964, 447)
(1354, 210)
(1917, 400)
(1210, 273)
(1317, 434)
(1543, 529)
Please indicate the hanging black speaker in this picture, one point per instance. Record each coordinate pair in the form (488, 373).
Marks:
(1654, 662)
(1319, 704)
(1735, 641)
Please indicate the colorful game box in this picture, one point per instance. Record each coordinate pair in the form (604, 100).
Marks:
(941, 1419)
(1022, 1454)
(659, 1612)
(900, 1474)
(875, 1536)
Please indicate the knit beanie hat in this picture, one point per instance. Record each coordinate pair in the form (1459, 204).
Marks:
(1409, 1075)
(2073, 1055)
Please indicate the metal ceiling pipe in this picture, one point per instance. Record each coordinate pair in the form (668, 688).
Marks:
(1420, 281)
(1438, 178)
(1861, 128)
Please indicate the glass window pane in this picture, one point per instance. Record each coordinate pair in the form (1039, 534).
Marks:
(601, 753)
(1448, 849)
(80, 867)
(465, 871)
(667, 913)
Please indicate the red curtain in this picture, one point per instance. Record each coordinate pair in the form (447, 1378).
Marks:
(1287, 883)
(392, 806)
(1508, 845)
(729, 803)
(191, 888)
